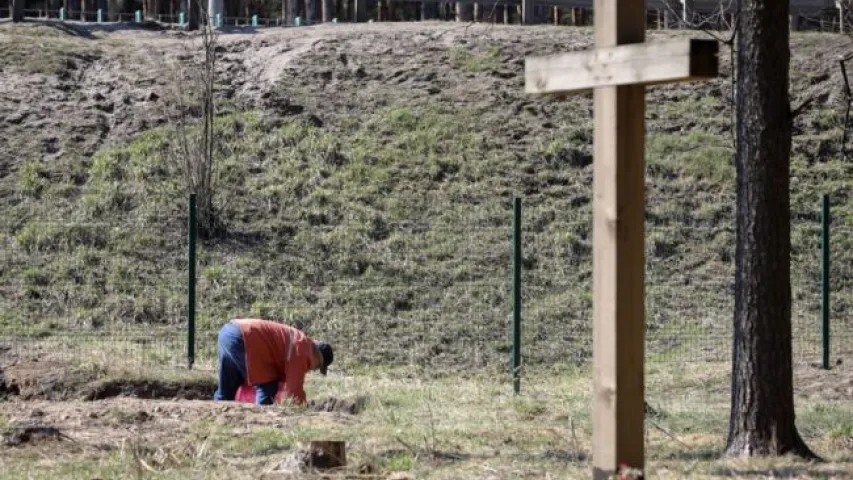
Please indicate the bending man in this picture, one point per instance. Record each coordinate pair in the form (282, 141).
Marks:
(263, 353)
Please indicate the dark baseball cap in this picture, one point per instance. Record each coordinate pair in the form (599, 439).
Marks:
(327, 353)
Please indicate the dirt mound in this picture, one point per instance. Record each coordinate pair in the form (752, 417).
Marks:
(340, 405)
(33, 434)
(47, 380)
(43, 380)
(836, 384)
(6, 389)
(150, 389)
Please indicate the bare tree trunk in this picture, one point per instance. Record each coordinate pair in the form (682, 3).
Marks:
(762, 401)
(292, 11)
(193, 11)
(429, 10)
(17, 10)
(328, 10)
(312, 11)
(464, 12)
(114, 10)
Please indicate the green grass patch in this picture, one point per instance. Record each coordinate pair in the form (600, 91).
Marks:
(475, 61)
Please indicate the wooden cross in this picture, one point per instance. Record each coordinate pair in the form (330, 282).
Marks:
(618, 70)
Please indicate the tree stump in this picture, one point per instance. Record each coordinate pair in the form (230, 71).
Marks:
(326, 454)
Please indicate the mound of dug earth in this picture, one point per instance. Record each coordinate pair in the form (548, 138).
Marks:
(32, 434)
(47, 380)
(352, 406)
(150, 389)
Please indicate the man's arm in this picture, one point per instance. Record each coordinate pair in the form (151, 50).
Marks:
(294, 378)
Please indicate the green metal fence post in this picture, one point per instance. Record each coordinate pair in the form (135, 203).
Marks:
(516, 296)
(191, 283)
(825, 225)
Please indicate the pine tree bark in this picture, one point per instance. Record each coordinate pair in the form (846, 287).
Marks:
(762, 418)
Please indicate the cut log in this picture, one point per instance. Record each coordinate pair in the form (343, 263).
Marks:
(326, 454)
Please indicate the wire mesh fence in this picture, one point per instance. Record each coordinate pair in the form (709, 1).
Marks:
(433, 295)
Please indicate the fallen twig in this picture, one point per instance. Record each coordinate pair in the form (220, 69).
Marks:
(668, 434)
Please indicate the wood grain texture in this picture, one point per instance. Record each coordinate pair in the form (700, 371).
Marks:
(618, 247)
(643, 63)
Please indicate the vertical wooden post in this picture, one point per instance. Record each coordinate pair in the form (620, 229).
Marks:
(557, 16)
(618, 252)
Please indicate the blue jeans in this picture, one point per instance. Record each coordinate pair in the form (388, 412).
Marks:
(232, 368)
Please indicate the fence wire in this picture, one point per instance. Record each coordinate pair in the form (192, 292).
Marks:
(436, 296)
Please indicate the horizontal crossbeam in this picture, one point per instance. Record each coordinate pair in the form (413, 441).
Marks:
(642, 63)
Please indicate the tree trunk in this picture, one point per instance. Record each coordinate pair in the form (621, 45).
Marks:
(292, 11)
(17, 10)
(328, 10)
(762, 401)
(194, 11)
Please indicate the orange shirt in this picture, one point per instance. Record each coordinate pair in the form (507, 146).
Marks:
(275, 351)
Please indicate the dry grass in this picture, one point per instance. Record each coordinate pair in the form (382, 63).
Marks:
(470, 426)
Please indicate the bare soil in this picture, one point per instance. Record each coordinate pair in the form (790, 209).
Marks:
(814, 383)
(109, 87)
(52, 380)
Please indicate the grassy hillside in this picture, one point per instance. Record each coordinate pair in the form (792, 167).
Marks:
(365, 177)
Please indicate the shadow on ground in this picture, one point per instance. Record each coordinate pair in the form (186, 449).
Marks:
(804, 471)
